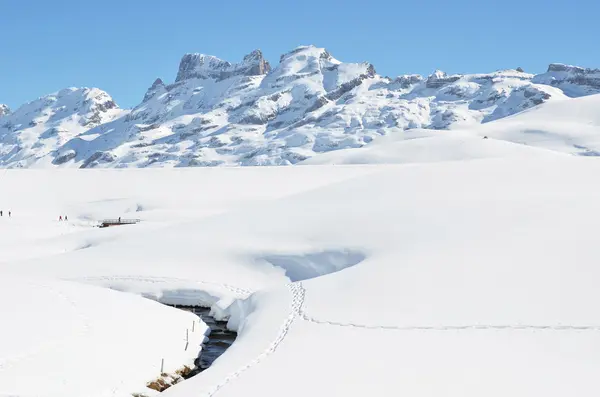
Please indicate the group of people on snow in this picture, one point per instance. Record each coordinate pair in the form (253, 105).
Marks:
(2, 213)
(60, 218)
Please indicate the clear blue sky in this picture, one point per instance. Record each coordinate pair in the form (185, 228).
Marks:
(122, 46)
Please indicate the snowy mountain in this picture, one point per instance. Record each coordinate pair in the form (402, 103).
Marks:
(248, 113)
(568, 127)
(35, 132)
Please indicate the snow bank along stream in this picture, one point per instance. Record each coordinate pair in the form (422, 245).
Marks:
(219, 339)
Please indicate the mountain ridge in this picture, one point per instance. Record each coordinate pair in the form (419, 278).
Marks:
(250, 113)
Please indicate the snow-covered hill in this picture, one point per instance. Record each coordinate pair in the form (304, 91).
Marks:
(458, 279)
(250, 113)
(571, 126)
(35, 133)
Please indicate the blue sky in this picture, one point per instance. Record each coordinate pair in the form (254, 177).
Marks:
(122, 46)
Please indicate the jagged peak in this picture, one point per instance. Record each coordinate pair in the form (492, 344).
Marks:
(254, 56)
(158, 82)
(311, 50)
(408, 80)
(4, 110)
(196, 65)
(156, 87)
(438, 74)
(561, 67)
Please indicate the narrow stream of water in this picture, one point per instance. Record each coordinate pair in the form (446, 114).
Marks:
(219, 340)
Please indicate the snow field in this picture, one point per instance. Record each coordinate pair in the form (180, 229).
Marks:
(67, 339)
(457, 278)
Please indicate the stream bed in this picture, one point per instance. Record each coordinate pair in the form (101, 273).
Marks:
(219, 340)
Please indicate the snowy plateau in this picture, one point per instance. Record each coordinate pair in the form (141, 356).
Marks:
(222, 113)
(431, 237)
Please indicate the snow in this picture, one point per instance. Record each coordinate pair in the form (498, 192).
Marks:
(67, 339)
(218, 113)
(456, 278)
(570, 126)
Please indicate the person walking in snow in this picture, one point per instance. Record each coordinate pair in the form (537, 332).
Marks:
(66, 219)
(0, 212)
(60, 218)
(9, 214)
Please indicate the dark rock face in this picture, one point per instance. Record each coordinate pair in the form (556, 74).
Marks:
(408, 80)
(97, 158)
(559, 67)
(203, 66)
(257, 64)
(585, 80)
(440, 79)
(156, 87)
(64, 157)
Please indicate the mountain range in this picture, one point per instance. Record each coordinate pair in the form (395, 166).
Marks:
(252, 113)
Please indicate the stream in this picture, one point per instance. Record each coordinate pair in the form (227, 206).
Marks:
(219, 340)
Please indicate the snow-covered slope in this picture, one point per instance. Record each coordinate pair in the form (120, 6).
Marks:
(571, 127)
(573, 80)
(250, 113)
(66, 339)
(463, 278)
(423, 146)
(35, 133)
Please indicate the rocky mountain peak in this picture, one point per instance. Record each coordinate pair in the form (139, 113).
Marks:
(308, 51)
(309, 103)
(4, 110)
(439, 79)
(202, 66)
(573, 80)
(157, 86)
(257, 64)
(560, 67)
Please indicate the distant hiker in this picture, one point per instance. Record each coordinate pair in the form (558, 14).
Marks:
(9, 214)
(60, 217)
(0, 213)
(66, 219)
(119, 219)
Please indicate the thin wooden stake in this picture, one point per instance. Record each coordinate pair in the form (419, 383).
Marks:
(162, 365)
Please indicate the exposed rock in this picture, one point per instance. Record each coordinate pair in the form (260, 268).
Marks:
(201, 66)
(573, 80)
(64, 157)
(439, 79)
(4, 110)
(310, 103)
(157, 87)
(407, 81)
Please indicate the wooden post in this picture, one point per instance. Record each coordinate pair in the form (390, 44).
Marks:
(193, 326)
(162, 365)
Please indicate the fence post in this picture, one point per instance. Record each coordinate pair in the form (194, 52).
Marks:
(162, 365)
